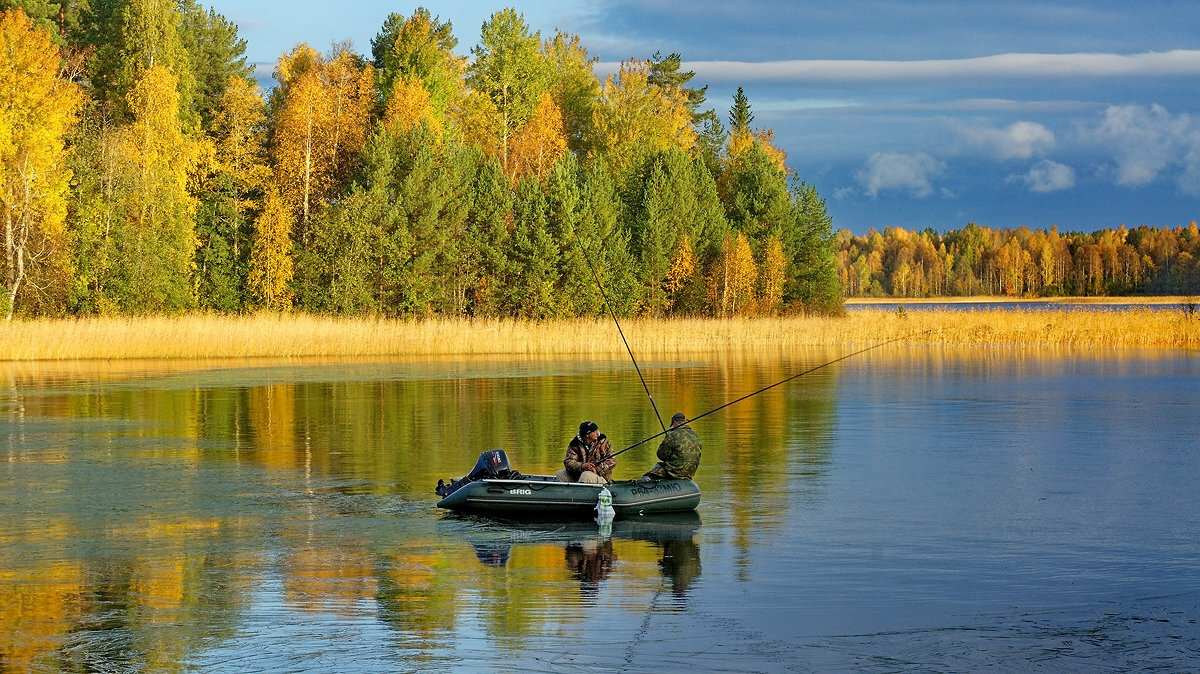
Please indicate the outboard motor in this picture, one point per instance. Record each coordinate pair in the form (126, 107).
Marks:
(491, 464)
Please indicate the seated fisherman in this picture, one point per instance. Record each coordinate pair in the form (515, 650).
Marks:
(589, 457)
(679, 452)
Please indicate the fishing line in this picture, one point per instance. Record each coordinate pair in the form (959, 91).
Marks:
(778, 383)
(612, 313)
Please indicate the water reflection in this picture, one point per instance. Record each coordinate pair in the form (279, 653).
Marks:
(589, 552)
(166, 520)
(148, 508)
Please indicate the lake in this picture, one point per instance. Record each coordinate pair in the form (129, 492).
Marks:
(907, 508)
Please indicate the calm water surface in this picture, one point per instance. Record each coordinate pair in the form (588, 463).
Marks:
(904, 509)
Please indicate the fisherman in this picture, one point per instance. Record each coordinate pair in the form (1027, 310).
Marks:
(589, 457)
(679, 452)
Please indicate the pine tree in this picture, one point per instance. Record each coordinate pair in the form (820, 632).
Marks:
(813, 283)
(740, 115)
(485, 242)
(534, 257)
(217, 56)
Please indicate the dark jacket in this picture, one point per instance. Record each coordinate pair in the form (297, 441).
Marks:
(578, 454)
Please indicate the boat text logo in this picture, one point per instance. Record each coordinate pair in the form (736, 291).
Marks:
(662, 486)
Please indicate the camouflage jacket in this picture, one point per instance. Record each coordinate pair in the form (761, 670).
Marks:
(678, 454)
(578, 454)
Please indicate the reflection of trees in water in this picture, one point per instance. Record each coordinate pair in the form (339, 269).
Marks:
(773, 444)
(399, 435)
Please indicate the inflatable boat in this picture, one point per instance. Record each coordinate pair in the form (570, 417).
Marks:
(494, 489)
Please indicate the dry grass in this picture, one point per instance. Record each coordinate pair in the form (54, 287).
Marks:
(305, 336)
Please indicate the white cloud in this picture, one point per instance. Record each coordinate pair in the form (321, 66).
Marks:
(1177, 62)
(1020, 140)
(911, 172)
(1047, 176)
(1146, 142)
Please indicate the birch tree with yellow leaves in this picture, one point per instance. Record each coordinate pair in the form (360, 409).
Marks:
(233, 195)
(37, 109)
(271, 266)
(634, 118)
(161, 234)
(511, 71)
(409, 106)
(540, 143)
(320, 127)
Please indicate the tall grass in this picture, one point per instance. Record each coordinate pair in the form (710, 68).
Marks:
(293, 336)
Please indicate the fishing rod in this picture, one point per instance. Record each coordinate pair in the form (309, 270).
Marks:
(612, 313)
(767, 388)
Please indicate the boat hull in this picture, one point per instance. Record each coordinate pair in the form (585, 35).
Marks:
(544, 497)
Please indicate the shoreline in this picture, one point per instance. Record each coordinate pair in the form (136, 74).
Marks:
(1158, 300)
(286, 336)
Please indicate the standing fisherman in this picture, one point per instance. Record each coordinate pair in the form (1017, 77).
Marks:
(679, 452)
(589, 457)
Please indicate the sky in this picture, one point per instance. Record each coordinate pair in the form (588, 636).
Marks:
(918, 114)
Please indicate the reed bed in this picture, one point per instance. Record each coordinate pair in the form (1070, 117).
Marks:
(305, 336)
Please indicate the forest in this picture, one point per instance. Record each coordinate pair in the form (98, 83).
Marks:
(979, 261)
(144, 171)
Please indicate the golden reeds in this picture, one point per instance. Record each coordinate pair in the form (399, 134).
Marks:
(300, 336)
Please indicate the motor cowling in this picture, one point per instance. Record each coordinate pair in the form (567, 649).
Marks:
(491, 464)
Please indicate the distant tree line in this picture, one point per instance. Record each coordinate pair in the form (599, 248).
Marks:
(142, 171)
(1020, 262)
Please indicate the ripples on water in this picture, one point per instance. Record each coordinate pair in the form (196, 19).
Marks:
(915, 510)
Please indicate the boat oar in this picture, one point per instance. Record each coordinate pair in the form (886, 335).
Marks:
(767, 388)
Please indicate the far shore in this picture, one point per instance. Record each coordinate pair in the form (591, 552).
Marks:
(290, 336)
(1168, 300)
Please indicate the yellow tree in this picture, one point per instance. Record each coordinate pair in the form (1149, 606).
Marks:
(740, 140)
(539, 144)
(320, 127)
(410, 106)
(772, 277)
(634, 118)
(351, 90)
(299, 143)
(733, 277)
(37, 109)
(573, 84)
(238, 124)
(683, 278)
(478, 122)
(271, 257)
(162, 211)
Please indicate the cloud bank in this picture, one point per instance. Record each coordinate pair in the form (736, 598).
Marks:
(1173, 63)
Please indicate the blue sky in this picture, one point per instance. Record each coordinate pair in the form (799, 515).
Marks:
(925, 113)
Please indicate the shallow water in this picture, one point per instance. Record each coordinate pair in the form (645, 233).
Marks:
(906, 508)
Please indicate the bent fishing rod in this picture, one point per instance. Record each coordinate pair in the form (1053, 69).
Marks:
(767, 388)
(608, 305)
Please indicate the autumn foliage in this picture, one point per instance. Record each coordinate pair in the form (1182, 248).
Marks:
(148, 173)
